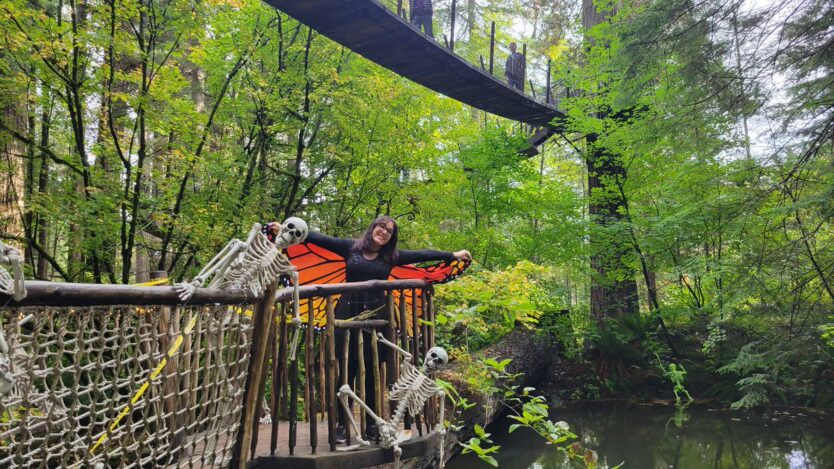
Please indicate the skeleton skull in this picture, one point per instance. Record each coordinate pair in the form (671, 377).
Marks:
(293, 231)
(436, 359)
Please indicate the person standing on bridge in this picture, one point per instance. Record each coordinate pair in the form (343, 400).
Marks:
(514, 69)
(370, 257)
(421, 13)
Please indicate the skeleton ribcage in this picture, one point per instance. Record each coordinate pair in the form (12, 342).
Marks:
(258, 266)
(413, 389)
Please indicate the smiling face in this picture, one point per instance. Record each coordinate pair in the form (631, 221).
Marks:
(382, 233)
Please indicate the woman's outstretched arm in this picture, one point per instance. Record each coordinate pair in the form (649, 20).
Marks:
(424, 255)
(340, 246)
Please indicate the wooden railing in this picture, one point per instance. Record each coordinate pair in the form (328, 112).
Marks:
(213, 323)
(406, 319)
(125, 376)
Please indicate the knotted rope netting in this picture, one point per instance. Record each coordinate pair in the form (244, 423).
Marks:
(122, 386)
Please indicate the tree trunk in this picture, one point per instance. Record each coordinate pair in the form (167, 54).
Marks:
(613, 287)
(12, 183)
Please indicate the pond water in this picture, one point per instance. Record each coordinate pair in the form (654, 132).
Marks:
(655, 437)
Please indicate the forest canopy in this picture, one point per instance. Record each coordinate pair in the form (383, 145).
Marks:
(142, 135)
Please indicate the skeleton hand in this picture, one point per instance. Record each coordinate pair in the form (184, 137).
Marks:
(267, 418)
(6, 282)
(187, 289)
(440, 429)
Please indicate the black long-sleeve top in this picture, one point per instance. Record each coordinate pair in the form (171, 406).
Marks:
(359, 269)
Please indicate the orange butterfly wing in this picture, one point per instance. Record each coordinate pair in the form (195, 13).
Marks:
(441, 272)
(317, 265)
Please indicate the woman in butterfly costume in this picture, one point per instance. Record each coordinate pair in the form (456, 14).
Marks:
(372, 256)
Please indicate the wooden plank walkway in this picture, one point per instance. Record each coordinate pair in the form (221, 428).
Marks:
(304, 458)
(369, 28)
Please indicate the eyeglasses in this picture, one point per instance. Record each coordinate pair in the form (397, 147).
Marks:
(385, 229)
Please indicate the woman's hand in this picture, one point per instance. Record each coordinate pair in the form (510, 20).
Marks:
(274, 227)
(463, 255)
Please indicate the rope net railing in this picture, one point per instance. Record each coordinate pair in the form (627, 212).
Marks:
(122, 386)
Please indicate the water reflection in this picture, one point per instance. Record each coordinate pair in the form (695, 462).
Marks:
(659, 437)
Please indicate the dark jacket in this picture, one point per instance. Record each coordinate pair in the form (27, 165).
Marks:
(515, 66)
(421, 6)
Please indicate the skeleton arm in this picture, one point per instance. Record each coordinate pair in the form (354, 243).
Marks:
(441, 427)
(406, 356)
(12, 285)
(219, 263)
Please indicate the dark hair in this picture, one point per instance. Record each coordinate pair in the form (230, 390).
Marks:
(389, 252)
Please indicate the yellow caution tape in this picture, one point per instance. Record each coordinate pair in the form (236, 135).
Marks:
(136, 397)
(152, 283)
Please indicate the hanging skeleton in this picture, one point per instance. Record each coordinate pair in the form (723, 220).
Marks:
(411, 391)
(11, 284)
(254, 265)
(14, 286)
(19, 371)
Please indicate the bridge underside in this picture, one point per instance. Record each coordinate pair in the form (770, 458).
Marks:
(377, 33)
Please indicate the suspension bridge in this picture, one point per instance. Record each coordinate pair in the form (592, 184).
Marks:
(378, 33)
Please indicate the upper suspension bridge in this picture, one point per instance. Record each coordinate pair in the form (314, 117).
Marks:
(379, 34)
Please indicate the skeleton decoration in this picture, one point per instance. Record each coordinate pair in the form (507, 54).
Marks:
(410, 391)
(11, 284)
(254, 265)
(13, 359)
(6, 377)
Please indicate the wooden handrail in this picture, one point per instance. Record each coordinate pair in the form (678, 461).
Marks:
(312, 291)
(40, 293)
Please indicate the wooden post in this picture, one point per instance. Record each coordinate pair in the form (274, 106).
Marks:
(262, 322)
(377, 384)
(452, 33)
(310, 371)
(432, 317)
(279, 367)
(322, 403)
(384, 409)
(415, 329)
(168, 331)
(391, 335)
(345, 358)
(404, 342)
(293, 407)
(548, 96)
(491, 47)
(330, 373)
(524, 68)
(425, 336)
(360, 378)
(256, 425)
(415, 347)
(392, 371)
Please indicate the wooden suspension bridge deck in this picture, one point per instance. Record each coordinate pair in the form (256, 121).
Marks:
(303, 457)
(372, 30)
